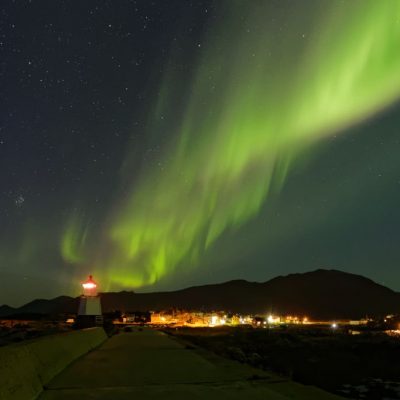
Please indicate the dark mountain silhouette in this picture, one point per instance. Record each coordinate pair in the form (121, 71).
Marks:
(7, 310)
(59, 304)
(327, 294)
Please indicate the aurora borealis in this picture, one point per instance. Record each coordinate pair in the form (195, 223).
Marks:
(157, 145)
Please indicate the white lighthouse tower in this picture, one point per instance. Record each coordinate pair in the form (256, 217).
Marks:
(89, 312)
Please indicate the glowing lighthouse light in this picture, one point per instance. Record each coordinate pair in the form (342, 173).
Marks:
(89, 287)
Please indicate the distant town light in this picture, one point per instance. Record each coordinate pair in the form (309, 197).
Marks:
(334, 325)
(273, 320)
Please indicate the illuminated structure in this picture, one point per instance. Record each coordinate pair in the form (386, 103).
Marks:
(89, 312)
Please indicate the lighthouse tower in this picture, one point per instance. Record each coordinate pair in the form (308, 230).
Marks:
(89, 312)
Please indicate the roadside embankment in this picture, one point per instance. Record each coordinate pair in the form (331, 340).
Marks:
(25, 368)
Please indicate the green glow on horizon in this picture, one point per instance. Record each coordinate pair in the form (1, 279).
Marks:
(256, 102)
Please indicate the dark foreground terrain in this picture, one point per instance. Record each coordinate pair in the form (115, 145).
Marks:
(14, 331)
(365, 366)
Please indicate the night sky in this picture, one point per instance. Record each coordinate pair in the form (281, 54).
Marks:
(162, 144)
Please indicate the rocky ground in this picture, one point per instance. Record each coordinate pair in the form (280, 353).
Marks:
(364, 366)
(14, 331)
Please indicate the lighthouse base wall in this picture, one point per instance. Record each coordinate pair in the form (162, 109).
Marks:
(89, 321)
(89, 312)
(89, 306)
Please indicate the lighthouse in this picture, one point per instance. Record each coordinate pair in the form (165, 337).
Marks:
(89, 312)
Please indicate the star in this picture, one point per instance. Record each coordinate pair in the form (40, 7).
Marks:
(19, 201)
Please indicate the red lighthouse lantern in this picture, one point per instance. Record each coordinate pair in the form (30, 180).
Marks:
(89, 287)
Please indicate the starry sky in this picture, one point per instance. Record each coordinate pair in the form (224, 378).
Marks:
(162, 144)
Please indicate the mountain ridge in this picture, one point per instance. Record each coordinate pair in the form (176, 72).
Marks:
(323, 293)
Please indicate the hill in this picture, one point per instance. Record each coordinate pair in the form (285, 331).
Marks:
(327, 294)
(6, 310)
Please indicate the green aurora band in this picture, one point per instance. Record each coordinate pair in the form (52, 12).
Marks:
(259, 98)
(74, 240)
